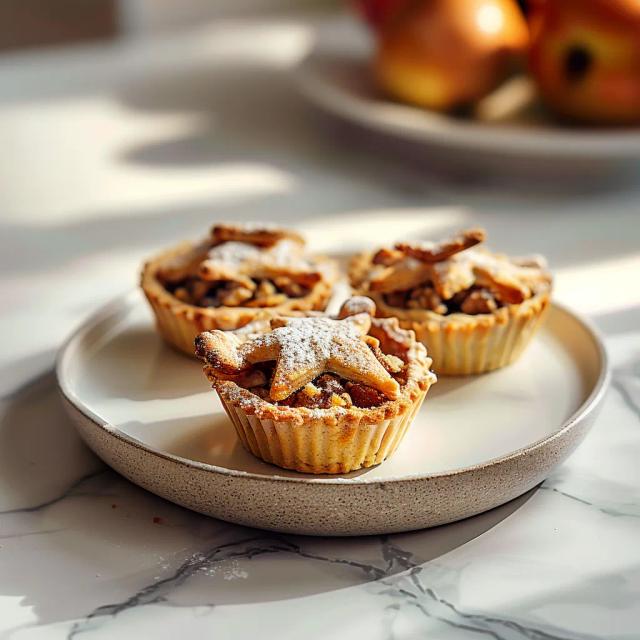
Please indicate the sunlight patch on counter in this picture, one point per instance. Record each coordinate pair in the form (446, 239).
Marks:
(94, 156)
(353, 230)
(601, 287)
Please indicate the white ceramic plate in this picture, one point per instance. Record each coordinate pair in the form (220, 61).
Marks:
(477, 443)
(336, 76)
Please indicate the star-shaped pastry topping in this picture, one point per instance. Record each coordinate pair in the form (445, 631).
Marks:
(455, 265)
(408, 265)
(260, 235)
(243, 253)
(241, 261)
(303, 349)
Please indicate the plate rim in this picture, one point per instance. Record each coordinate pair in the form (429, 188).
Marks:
(127, 301)
(609, 143)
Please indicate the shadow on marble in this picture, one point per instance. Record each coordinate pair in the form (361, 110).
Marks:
(625, 320)
(40, 453)
(322, 179)
(116, 543)
(18, 372)
(198, 91)
(286, 121)
(231, 128)
(276, 135)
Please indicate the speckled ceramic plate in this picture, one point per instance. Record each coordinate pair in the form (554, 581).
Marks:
(478, 441)
(336, 76)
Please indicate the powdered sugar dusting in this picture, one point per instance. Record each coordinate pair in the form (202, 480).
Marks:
(306, 341)
(305, 347)
(460, 271)
(243, 256)
(234, 253)
(452, 275)
(427, 245)
(303, 342)
(412, 263)
(501, 266)
(242, 398)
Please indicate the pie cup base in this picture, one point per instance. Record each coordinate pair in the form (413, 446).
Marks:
(321, 446)
(179, 323)
(178, 330)
(478, 344)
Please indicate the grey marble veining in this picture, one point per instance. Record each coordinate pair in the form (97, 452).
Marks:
(131, 561)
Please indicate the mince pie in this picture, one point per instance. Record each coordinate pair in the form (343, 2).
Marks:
(237, 274)
(474, 310)
(320, 394)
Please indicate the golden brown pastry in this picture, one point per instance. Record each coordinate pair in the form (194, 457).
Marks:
(320, 394)
(235, 275)
(473, 309)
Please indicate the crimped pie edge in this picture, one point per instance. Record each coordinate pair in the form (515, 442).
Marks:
(359, 266)
(419, 379)
(227, 317)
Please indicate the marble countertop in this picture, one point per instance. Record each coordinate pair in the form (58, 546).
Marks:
(112, 151)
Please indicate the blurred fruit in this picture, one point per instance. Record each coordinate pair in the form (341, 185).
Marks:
(442, 54)
(379, 13)
(524, 6)
(585, 58)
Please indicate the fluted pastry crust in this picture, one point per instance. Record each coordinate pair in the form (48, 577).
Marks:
(180, 322)
(459, 343)
(337, 439)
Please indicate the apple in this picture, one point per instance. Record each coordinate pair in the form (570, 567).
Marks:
(379, 13)
(585, 58)
(524, 6)
(443, 54)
